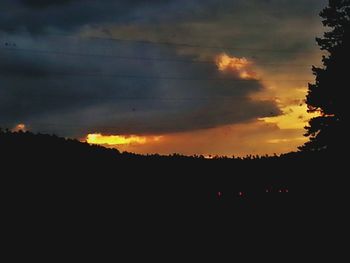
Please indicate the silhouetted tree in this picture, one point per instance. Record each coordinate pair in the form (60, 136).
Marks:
(328, 95)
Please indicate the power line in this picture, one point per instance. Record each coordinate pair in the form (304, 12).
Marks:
(190, 45)
(157, 98)
(168, 43)
(53, 52)
(104, 56)
(75, 74)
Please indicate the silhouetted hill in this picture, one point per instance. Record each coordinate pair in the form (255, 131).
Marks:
(223, 180)
(29, 146)
(66, 191)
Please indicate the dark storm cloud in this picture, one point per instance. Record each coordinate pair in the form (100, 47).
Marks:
(42, 16)
(73, 95)
(45, 3)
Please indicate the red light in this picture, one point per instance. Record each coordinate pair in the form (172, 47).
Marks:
(267, 190)
(240, 194)
(219, 194)
(287, 191)
(280, 191)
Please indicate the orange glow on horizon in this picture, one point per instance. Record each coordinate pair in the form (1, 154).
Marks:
(115, 140)
(240, 66)
(256, 137)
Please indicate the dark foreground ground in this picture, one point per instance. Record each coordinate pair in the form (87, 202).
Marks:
(61, 195)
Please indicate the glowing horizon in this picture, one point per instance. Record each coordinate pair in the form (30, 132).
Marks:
(116, 140)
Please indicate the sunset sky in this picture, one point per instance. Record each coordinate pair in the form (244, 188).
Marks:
(210, 77)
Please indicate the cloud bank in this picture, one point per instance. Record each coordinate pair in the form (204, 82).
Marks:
(55, 79)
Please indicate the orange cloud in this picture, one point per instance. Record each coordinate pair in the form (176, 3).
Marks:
(240, 66)
(19, 127)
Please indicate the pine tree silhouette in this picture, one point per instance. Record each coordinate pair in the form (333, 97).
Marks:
(327, 96)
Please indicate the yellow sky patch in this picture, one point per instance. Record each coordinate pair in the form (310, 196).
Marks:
(293, 117)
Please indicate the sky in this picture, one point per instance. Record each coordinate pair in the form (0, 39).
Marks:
(205, 77)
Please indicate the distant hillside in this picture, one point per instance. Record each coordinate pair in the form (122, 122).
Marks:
(26, 145)
(25, 150)
(41, 160)
(71, 187)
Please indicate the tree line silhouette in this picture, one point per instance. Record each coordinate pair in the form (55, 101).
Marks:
(175, 176)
